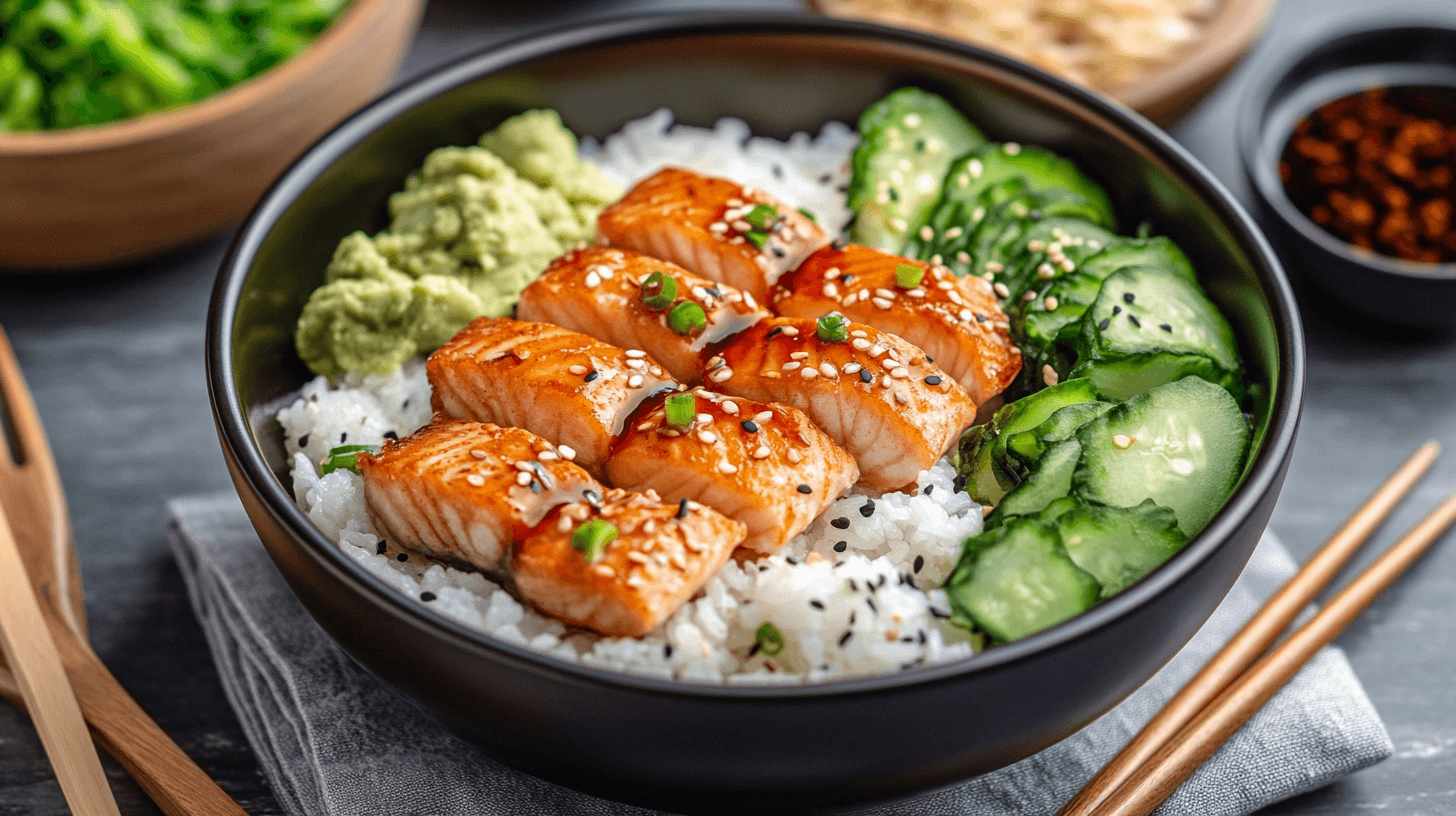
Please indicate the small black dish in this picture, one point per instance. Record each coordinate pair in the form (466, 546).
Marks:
(1356, 58)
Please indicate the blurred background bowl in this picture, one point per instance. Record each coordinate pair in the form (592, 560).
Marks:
(103, 195)
(1163, 93)
(691, 747)
(1361, 56)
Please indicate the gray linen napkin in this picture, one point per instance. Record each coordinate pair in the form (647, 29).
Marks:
(335, 740)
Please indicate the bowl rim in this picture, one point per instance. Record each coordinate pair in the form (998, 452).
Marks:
(236, 436)
(359, 16)
(1253, 131)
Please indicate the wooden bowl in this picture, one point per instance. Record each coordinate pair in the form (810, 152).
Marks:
(98, 196)
(1168, 93)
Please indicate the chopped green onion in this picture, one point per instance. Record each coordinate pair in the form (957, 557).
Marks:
(769, 639)
(804, 211)
(758, 239)
(680, 409)
(761, 216)
(686, 318)
(833, 328)
(343, 457)
(908, 276)
(593, 537)
(659, 291)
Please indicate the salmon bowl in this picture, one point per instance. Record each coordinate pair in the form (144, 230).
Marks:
(668, 741)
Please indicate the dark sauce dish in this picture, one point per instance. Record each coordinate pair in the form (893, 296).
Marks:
(697, 748)
(1383, 54)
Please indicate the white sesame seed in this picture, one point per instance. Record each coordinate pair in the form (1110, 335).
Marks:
(1045, 270)
(649, 526)
(1049, 374)
(899, 373)
(798, 355)
(898, 224)
(963, 180)
(523, 479)
(881, 303)
(763, 416)
(1122, 441)
(963, 256)
(831, 291)
(876, 350)
(851, 368)
(761, 452)
(831, 272)
(578, 370)
(721, 374)
(915, 293)
(860, 343)
(1035, 246)
(730, 408)
(479, 454)
(1001, 290)
(976, 168)
(1050, 303)
(809, 373)
(707, 437)
(475, 479)
(636, 354)
(900, 397)
(547, 456)
(978, 213)
(965, 314)
(637, 365)
(524, 466)
(1028, 296)
(634, 381)
(735, 202)
(953, 232)
(568, 453)
(718, 226)
(727, 468)
(592, 279)
(791, 331)
(794, 456)
(606, 272)
(563, 524)
(995, 266)
(706, 419)
(927, 234)
(1012, 148)
(748, 301)
(638, 558)
(827, 369)
(955, 297)
(945, 286)
(911, 120)
(790, 366)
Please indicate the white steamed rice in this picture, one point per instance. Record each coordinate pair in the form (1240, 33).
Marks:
(854, 595)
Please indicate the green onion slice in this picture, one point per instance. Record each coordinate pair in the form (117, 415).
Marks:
(807, 213)
(680, 409)
(761, 216)
(833, 328)
(686, 318)
(659, 291)
(908, 276)
(343, 457)
(593, 536)
(769, 639)
(758, 239)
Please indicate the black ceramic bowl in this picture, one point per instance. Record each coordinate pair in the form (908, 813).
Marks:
(1355, 58)
(692, 747)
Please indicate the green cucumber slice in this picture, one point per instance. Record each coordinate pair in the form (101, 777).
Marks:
(1017, 580)
(1117, 545)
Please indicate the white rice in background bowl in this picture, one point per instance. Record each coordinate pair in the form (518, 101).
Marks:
(854, 595)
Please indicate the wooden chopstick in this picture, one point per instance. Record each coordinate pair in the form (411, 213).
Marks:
(1257, 635)
(49, 698)
(1174, 762)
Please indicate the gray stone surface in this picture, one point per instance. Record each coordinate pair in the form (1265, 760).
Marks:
(115, 361)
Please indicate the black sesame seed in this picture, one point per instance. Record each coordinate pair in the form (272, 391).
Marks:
(846, 278)
(841, 546)
(868, 508)
(592, 375)
(866, 376)
(930, 488)
(844, 638)
(402, 557)
(883, 579)
(713, 291)
(774, 332)
(1135, 321)
(778, 171)
(383, 545)
(817, 604)
(778, 251)
(405, 404)
(682, 509)
(805, 489)
(427, 596)
(753, 650)
(1117, 310)
(1104, 323)
(1035, 215)
(1128, 297)
(933, 379)
(793, 562)
(919, 562)
(929, 359)
(840, 523)
(908, 639)
(870, 601)
(826, 178)
(303, 441)
(667, 649)
(853, 585)
(535, 486)
(939, 613)
(391, 435)
(749, 425)
(922, 637)
(852, 616)
(1165, 327)
(958, 483)
(343, 437)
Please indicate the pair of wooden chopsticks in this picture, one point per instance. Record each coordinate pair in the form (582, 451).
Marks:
(1223, 696)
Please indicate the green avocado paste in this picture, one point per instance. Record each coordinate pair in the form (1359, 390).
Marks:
(470, 230)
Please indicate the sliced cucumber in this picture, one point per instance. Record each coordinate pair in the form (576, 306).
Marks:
(1050, 479)
(1028, 413)
(1116, 545)
(1017, 580)
(1149, 326)
(1181, 444)
(986, 481)
(1028, 446)
(907, 140)
(1076, 239)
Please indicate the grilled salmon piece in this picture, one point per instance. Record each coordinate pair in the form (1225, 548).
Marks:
(461, 491)
(957, 321)
(767, 466)
(598, 291)
(660, 556)
(876, 395)
(569, 388)
(716, 228)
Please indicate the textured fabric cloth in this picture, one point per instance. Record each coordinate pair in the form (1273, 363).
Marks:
(332, 739)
